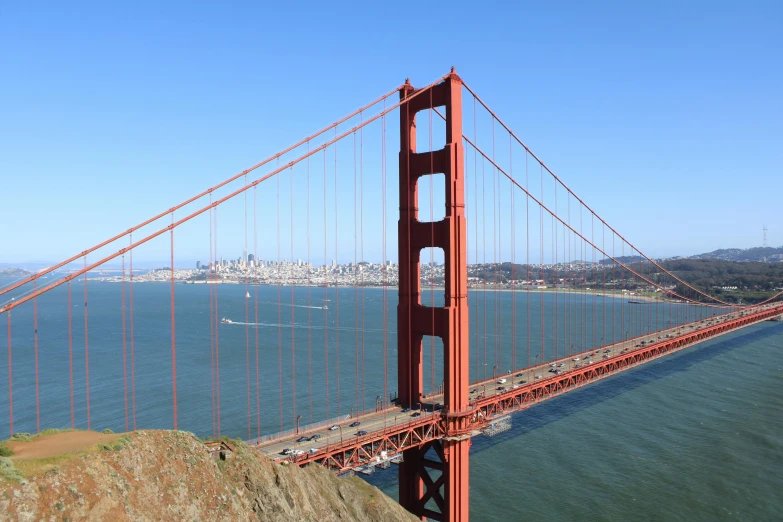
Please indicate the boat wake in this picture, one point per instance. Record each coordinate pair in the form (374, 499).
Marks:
(323, 307)
(305, 327)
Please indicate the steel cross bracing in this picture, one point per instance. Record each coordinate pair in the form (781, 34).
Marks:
(435, 425)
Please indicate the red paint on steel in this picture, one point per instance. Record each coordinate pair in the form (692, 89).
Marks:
(70, 356)
(450, 322)
(35, 350)
(10, 383)
(124, 350)
(86, 348)
(173, 334)
(132, 337)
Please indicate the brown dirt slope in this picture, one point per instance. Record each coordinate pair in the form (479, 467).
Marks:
(59, 443)
(168, 475)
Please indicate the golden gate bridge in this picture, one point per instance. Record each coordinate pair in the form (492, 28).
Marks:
(603, 306)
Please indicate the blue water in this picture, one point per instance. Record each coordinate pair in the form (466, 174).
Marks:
(696, 436)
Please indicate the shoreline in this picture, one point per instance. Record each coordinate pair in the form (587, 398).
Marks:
(482, 288)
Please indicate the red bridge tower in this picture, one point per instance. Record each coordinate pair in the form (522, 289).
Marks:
(447, 460)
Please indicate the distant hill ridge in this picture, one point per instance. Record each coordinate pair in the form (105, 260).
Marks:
(756, 254)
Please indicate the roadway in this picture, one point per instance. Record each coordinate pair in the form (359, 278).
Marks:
(393, 416)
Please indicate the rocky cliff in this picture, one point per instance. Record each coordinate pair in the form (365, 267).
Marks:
(168, 475)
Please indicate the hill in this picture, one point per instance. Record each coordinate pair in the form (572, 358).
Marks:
(168, 475)
(14, 272)
(758, 254)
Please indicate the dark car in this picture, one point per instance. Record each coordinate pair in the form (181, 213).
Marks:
(302, 439)
(499, 388)
(416, 414)
(406, 410)
(519, 375)
(354, 424)
(315, 437)
(361, 432)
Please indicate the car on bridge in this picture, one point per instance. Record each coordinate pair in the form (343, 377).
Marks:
(361, 433)
(315, 437)
(302, 439)
(354, 424)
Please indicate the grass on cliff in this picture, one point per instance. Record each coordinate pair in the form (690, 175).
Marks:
(26, 467)
(32, 467)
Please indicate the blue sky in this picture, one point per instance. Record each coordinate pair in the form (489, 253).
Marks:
(666, 117)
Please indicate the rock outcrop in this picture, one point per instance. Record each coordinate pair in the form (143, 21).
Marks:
(168, 475)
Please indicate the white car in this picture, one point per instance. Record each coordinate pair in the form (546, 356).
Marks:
(334, 427)
(298, 452)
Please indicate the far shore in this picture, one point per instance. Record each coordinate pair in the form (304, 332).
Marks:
(425, 287)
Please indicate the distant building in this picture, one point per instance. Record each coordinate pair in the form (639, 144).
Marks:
(198, 265)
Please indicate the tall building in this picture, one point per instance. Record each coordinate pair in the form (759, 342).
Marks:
(198, 265)
(251, 258)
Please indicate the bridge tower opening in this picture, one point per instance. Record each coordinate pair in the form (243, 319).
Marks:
(434, 478)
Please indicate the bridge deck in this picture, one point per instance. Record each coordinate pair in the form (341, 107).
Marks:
(391, 430)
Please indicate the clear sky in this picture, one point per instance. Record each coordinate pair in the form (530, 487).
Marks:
(665, 116)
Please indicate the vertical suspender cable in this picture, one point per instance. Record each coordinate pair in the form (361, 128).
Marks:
(513, 261)
(217, 330)
(326, 312)
(247, 317)
(279, 314)
(10, 382)
(361, 238)
(475, 228)
(124, 350)
(212, 266)
(527, 253)
(86, 348)
(255, 306)
(293, 308)
(355, 280)
(385, 281)
(309, 310)
(70, 356)
(132, 339)
(173, 332)
(336, 287)
(35, 350)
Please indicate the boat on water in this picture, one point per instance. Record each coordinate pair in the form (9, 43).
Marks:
(325, 307)
(247, 295)
(226, 321)
(635, 301)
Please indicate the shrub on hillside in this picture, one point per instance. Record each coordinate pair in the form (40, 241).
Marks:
(5, 451)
